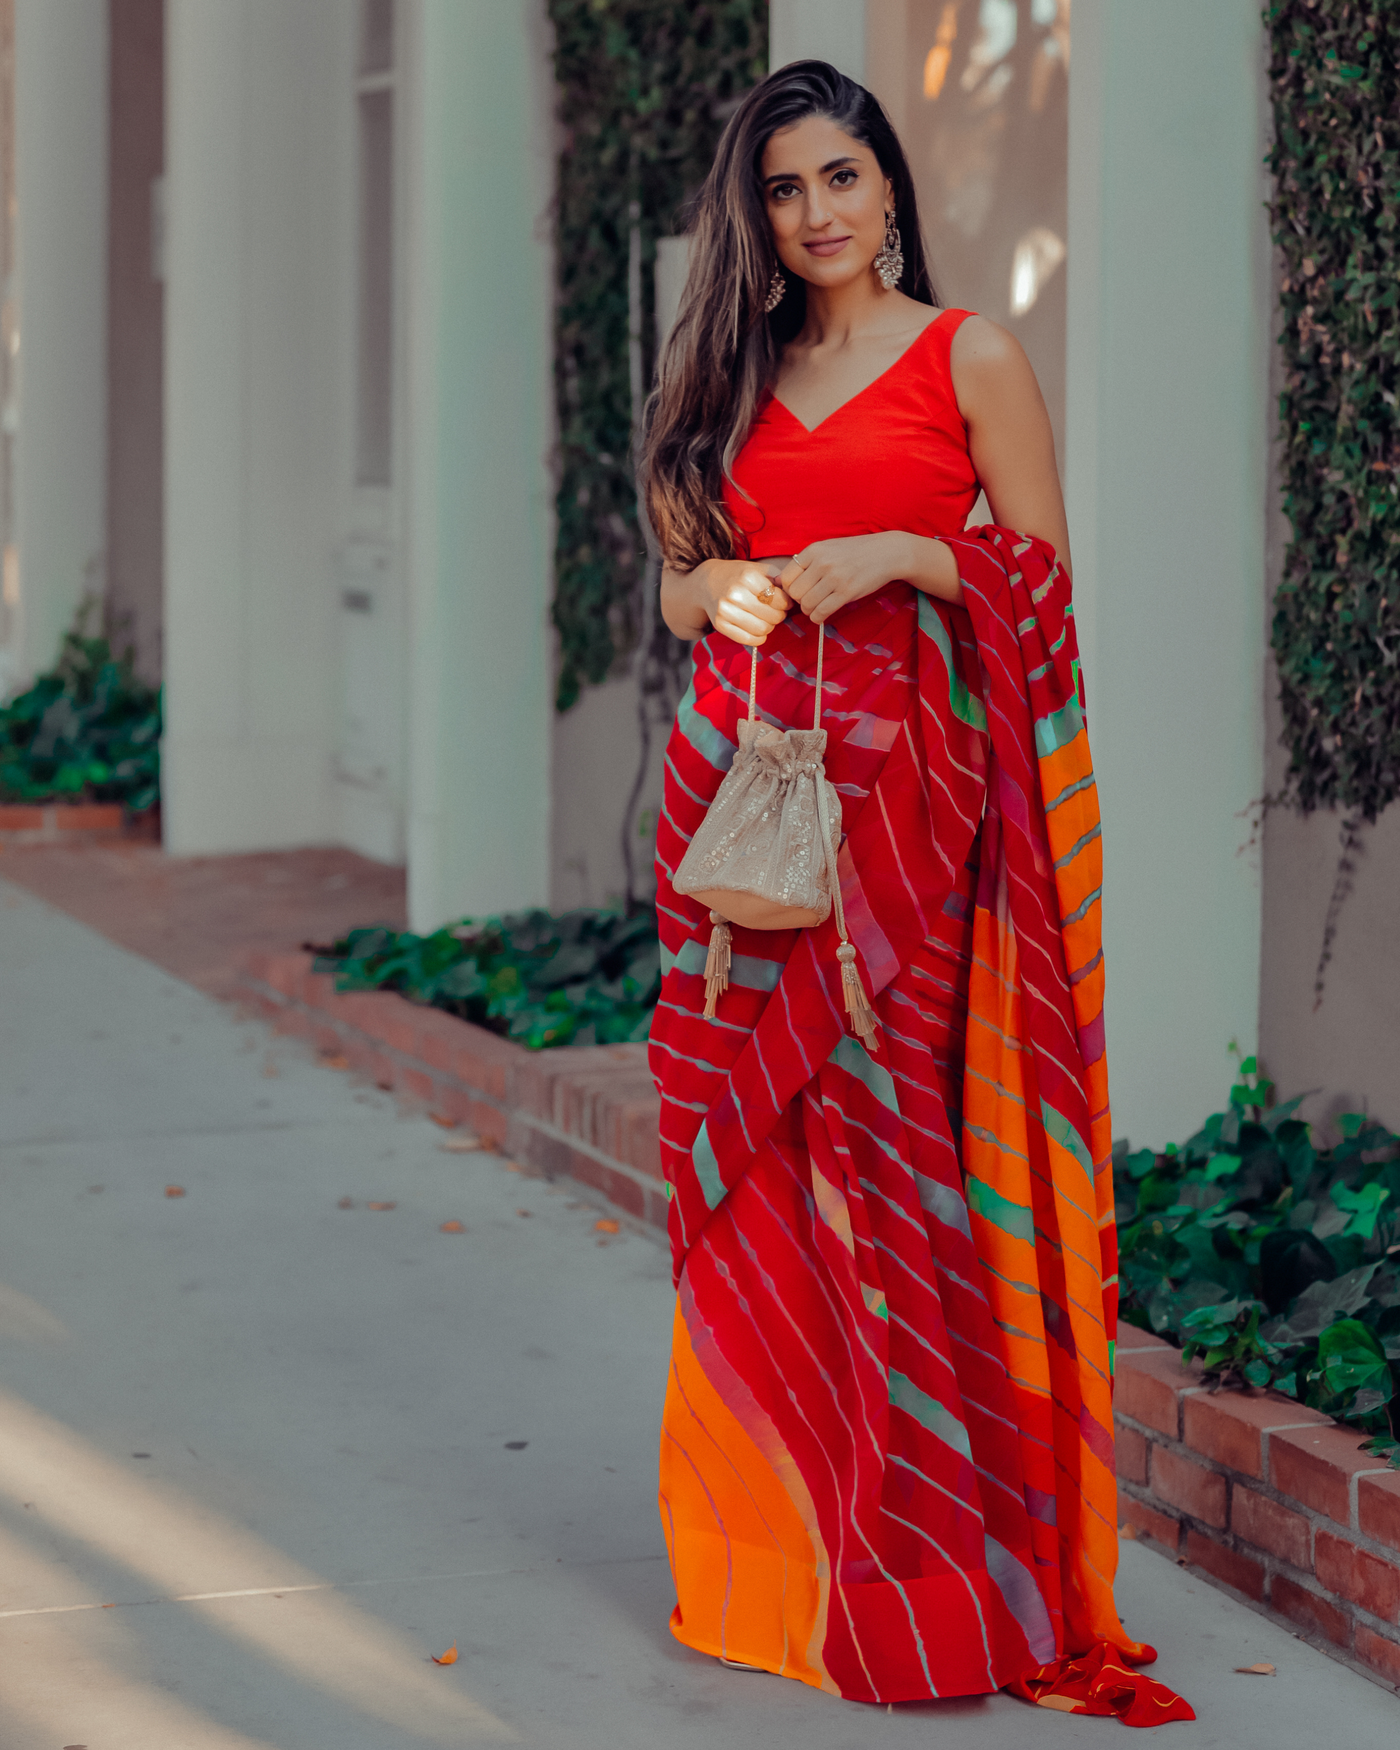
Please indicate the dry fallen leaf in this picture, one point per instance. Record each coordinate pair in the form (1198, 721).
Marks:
(447, 1658)
(334, 1060)
(442, 1119)
(174, 1190)
(461, 1145)
(452, 1227)
(1262, 1669)
(346, 1203)
(381, 1205)
(1128, 1531)
(607, 1226)
(525, 1212)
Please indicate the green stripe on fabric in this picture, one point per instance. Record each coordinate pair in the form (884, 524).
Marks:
(1078, 846)
(707, 1169)
(1112, 1356)
(1059, 728)
(851, 1056)
(965, 706)
(1084, 906)
(875, 1301)
(744, 969)
(1071, 790)
(940, 1421)
(702, 735)
(1062, 1131)
(1012, 1218)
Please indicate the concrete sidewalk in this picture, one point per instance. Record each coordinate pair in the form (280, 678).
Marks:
(261, 1455)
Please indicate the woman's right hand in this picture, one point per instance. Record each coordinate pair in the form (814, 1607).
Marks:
(733, 590)
(723, 594)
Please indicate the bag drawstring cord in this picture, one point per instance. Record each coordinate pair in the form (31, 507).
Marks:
(857, 1003)
(717, 960)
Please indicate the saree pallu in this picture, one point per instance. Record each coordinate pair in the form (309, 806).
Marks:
(887, 1449)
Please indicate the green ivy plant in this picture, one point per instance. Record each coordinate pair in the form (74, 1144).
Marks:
(1274, 1262)
(87, 731)
(1334, 72)
(644, 89)
(583, 978)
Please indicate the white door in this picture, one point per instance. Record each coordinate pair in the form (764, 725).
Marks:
(368, 575)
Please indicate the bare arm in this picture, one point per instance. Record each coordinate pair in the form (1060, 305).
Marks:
(1009, 435)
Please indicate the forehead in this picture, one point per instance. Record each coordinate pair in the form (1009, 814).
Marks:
(803, 148)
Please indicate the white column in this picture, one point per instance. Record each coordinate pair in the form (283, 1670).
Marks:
(480, 274)
(257, 107)
(61, 185)
(1167, 418)
(818, 30)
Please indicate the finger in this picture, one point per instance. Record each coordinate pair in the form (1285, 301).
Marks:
(772, 612)
(748, 628)
(812, 585)
(791, 572)
(823, 601)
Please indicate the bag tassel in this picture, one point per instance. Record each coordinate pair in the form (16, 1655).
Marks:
(716, 965)
(857, 1003)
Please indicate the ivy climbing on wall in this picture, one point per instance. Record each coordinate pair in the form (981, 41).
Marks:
(645, 87)
(1334, 71)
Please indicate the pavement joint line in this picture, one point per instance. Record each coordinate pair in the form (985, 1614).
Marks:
(77, 1139)
(326, 1586)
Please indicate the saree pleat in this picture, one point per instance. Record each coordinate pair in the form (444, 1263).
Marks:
(887, 1454)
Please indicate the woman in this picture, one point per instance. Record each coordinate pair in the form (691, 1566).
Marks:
(887, 1460)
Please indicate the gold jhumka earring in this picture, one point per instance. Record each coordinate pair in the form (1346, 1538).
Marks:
(889, 262)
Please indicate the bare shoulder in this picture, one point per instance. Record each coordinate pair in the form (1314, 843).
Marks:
(989, 365)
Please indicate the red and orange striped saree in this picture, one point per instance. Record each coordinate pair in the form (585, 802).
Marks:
(887, 1449)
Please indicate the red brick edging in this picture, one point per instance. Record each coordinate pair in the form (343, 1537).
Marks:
(48, 823)
(589, 1112)
(1258, 1493)
(1263, 1495)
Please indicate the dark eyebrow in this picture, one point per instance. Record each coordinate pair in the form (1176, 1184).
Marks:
(832, 164)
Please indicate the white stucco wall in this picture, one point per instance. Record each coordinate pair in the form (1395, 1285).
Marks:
(255, 278)
(1167, 414)
(818, 30)
(61, 185)
(480, 280)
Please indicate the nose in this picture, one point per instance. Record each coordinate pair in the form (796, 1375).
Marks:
(819, 214)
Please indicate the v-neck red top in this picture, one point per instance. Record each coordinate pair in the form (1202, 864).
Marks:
(892, 457)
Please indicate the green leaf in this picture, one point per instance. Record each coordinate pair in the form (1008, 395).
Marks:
(1350, 1123)
(1366, 1204)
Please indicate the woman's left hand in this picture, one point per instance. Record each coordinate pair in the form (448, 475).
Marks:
(827, 575)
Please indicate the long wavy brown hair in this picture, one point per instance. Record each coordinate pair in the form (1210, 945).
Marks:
(723, 350)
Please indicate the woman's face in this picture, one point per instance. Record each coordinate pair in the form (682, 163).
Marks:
(826, 197)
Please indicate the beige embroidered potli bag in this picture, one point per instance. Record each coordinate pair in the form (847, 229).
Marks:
(764, 856)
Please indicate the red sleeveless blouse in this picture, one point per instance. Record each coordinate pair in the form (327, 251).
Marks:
(892, 457)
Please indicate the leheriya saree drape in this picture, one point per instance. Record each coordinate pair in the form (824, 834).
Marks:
(887, 1450)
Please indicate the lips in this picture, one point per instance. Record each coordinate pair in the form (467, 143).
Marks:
(827, 246)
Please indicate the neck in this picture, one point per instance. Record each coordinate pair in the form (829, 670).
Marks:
(836, 314)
